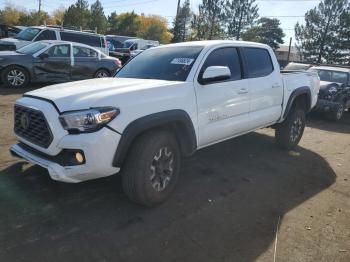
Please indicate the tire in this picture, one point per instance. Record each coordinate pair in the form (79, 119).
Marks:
(102, 73)
(15, 77)
(152, 168)
(290, 131)
(337, 113)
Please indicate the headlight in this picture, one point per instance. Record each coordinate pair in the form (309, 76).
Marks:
(88, 120)
(332, 89)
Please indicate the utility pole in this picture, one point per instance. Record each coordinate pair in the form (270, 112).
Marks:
(290, 46)
(39, 6)
(178, 7)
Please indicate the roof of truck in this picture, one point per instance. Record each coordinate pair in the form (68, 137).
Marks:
(208, 43)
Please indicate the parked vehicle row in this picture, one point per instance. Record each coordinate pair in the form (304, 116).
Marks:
(131, 48)
(41, 33)
(54, 61)
(167, 102)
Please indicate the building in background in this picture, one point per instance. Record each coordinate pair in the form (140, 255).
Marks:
(282, 55)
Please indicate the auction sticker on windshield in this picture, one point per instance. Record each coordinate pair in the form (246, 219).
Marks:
(182, 61)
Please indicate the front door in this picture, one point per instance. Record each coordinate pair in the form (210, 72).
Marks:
(54, 65)
(223, 106)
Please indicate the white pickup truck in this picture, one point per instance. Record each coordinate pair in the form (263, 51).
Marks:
(166, 103)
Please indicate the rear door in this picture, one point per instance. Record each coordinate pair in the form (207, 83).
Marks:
(264, 81)
(86, 62)
(56, 66)
(223, 106)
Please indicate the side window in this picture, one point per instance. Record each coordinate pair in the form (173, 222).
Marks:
(227, 56)
(59, 51)
(258, 62)
(339, 77)
(87, 39)
(46, 35)
(80, 51)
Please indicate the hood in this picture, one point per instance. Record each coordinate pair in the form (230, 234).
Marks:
(10, 53)
(326, 84)
(13, 41)
(91, 93)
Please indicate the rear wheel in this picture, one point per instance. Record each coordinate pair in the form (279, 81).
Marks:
(15, 77)
(152, 168)
(102, 73)
(290, 131)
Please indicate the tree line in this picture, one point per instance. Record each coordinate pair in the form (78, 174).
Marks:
(325, 36)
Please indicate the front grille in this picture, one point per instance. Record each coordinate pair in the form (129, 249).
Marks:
(31, 125)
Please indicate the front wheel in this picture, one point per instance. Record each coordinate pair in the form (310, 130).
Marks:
(337, 113)
(290, 131)
(15, 77)
(152, 168)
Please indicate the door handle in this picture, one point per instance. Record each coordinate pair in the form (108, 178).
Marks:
(276, 86)
(242, 91)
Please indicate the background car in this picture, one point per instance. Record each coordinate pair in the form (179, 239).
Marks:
(40, 33)
(292, 66)
(334, 95)
(54, 61)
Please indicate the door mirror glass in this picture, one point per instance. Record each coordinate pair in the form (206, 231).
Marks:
(43, 56)
(215, 73)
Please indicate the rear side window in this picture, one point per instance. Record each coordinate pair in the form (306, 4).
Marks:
(227, 56)
(60, 51)
(91, 40)
(46, 35)
(80, 51)
(258, 62)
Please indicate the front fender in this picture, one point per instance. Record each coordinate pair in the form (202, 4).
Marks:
(179, 122)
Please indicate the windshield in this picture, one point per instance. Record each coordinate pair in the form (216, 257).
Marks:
(333, 76)
(28, 34)
(32, 48)
(169, 63)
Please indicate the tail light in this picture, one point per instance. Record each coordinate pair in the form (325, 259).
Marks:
(118, 62)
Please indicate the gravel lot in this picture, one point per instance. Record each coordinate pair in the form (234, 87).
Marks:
(227, 206)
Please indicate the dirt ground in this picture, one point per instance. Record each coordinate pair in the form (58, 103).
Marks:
(229, 202)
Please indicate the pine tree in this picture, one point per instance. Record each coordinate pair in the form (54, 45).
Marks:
(238, 15)
(98, 19)
(267, 31)
(324, 36)
(78, 14)
(181, 23)
(208, 23)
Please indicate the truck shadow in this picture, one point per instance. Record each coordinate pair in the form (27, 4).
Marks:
(320, 122)
(225, 207)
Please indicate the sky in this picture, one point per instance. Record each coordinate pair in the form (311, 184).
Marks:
(288, 11)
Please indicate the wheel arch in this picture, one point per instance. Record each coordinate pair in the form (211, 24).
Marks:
(176, 121)
(300, 97)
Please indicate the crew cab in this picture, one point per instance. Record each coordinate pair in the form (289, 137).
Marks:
(334, 95)
(166, 103)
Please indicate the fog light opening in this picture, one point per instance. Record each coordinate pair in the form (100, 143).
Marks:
(79, 157)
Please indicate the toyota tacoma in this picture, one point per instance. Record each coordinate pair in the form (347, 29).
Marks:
(166, 103)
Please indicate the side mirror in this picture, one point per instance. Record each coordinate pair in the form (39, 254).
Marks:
(43, 56)
(215, 73)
